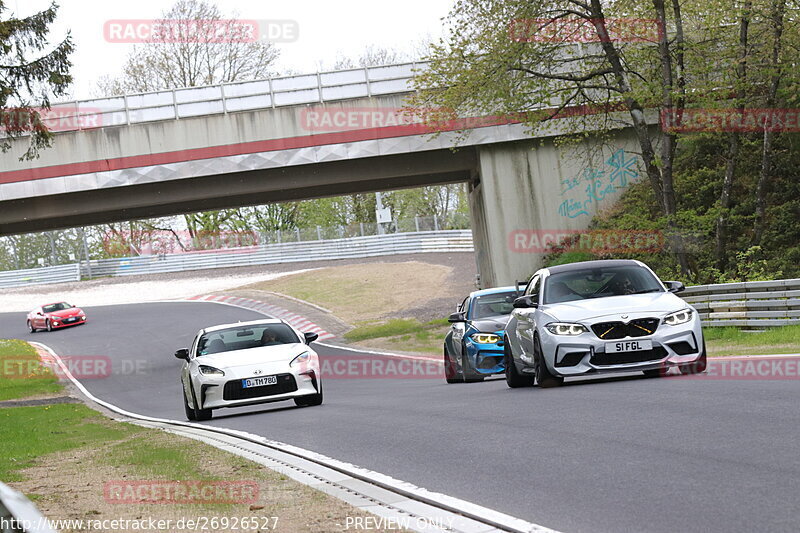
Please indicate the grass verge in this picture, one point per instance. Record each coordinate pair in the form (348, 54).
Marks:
(722, 341)
(21, 374)
(409, 335)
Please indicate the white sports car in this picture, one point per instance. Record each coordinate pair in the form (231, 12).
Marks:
(248, 363)
(598, 317)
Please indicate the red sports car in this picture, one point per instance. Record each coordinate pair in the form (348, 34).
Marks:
(55, 316)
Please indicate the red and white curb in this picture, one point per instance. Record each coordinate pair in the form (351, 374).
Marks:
(300, 322)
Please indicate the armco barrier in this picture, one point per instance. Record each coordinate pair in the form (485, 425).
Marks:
(749, 304)
(18, 514)
(289, 252)
(36, 276)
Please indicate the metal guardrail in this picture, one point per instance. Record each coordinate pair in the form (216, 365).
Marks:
(37, 276)
(749, 304)
(19, 515)
(288, 252)
(175, 104)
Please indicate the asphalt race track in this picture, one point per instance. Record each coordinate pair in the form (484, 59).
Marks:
(624, 454)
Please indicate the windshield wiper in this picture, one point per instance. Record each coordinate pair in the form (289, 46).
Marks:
(646, 291)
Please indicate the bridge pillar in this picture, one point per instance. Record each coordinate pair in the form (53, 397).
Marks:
(528, 193)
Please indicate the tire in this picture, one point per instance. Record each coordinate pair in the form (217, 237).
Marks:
(451, 374)
(544, 378)
(513, 378)
(31, 329)
(48, 325)
(188, 410)
(699, 366)
(310, 400)
(199, 414)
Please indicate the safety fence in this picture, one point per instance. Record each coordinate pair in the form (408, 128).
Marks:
(749, 304)
(288, 252)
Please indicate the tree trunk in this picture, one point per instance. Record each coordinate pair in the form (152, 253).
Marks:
(777, 16)
(721, 241)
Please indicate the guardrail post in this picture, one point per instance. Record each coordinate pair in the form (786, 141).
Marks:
(319, 233)
(366, 78)
(224, 101)
(175, 104)
(319, 87)
(361, 225)
(435, 223)
(416, 223)
(86, 253)
(297, 231)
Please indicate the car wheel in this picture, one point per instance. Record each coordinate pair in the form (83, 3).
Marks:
(699, 366)
(451, 374)
(189, 411)
(48, 325)
(199, 414)
(310, 400)
(513, 377)
(30, 327)
(544, 378)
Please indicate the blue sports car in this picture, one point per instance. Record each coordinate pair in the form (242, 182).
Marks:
(473, 348)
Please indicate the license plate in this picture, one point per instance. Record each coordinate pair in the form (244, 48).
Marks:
(259, 382)
(70, 319)
(628, 346)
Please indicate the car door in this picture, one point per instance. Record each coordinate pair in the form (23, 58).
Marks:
(185, 373)
(526, 319)
(38, 318)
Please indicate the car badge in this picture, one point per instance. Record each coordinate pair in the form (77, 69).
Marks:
(624, 317)
(257, 372)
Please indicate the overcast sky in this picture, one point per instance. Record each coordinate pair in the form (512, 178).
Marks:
(326, 28)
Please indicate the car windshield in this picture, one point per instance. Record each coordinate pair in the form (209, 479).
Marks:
(245, 337)
(56, 307)
(599, 283)
(497, 304)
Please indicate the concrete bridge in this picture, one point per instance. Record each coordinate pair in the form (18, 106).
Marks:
(300, 137)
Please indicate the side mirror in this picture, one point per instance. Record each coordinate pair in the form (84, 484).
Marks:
(525, 302)
(675, 286)
(456, 317)
(183, 353)
(310, 337)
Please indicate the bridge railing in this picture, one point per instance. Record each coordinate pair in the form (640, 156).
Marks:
(749, 304)
(188, 102)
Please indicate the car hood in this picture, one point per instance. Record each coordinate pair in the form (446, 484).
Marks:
(66, 313)
(253, 356)
(490, 324)
(657, 303)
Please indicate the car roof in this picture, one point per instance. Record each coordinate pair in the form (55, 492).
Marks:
(601, 263)
(249, 323)
(53, 303)
(493, 290)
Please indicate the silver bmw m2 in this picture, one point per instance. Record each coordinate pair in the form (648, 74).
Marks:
(600, 316)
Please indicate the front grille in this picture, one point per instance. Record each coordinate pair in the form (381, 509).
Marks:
(640, 327)
(233, 389)
(621, 358)
(487, 361)
(682, 348)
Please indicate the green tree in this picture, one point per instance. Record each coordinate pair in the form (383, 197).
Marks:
(31, 71)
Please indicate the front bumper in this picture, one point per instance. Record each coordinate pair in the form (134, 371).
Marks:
(216, 392)
(485, 358)
(586, 353)
(58, 324)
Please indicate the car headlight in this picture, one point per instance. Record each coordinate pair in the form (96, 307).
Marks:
(678, 317)
(211, 371)
(566, 328)
(302, 358)
(485, 338)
